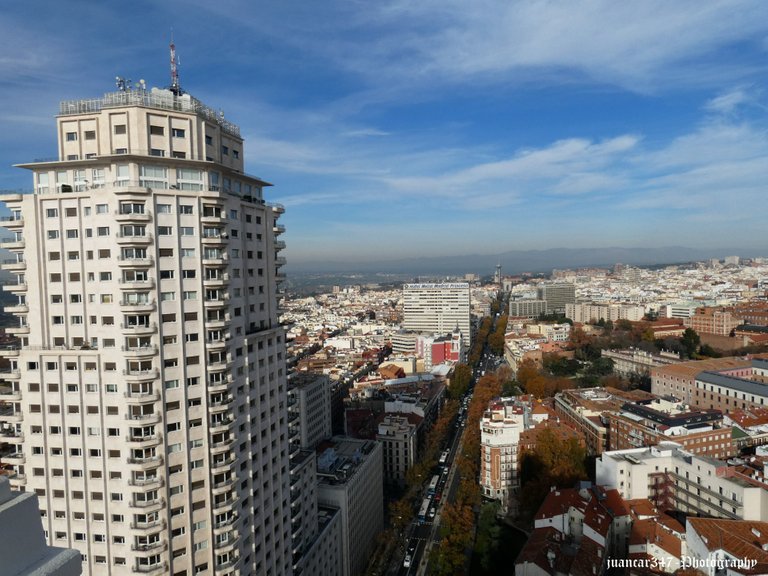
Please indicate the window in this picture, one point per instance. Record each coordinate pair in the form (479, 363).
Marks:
(70, 212)
(73, 233)
(120, 129)
(90, 135)
(187, 252)
(102, 231)
(163, 208)
(165, 296)
(156, 152)
(102, 208)
(178, 133)
(225, 150)
(209, 140)
(54, 256)
(53, 234)
(71, 136)
(165, 230)
(186, 209)
(235, 154)
(166, 274)
(165, 252)
(190, 295)
(188, 273)
(157, 130)
(187, 231)
(51, 213)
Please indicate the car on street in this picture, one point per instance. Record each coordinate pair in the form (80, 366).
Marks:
(407, 561)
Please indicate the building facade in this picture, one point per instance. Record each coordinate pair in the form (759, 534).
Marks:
(500, 429)
(557, 295)
(437, 308)
(151, 371)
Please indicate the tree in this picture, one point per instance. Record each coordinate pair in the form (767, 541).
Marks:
(690, 341)
(462, 375)
(488, 531)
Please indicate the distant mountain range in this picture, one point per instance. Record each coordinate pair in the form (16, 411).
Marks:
(519, 261)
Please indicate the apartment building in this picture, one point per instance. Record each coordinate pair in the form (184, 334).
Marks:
(398, 436)
(636, 361)
(588, 313)
(557, 295)
(673, 478)
(151, 384)
(351, 479)
(500, 429)
(708, 320)
(437, 308)
(527, 308)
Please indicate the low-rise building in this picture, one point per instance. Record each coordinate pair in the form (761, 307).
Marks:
(636, 361)
(708, 320)
(673, 478)
(730, 547)
(650, 422)
(23, 551)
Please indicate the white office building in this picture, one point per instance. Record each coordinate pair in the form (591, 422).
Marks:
(437, 308)
(151, 385)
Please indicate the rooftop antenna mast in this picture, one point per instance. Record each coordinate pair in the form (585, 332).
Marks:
(175, 86)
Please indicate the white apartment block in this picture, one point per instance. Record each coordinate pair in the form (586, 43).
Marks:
(351, 479)
(437, 308)
(590, 312)
(673, 478)
(150, 382)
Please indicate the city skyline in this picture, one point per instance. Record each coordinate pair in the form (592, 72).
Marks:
(487, 127)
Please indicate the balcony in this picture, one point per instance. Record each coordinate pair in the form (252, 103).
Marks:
(220, 404)
(277, 208)
(214, 240)
(148, 463)
(8, 414)
(216, 345)
(13, 459)
(278, 229)
(224, 486)
(223, 446)
(225, 567)
(130, 187)
(135, 376)
(11, 222)
(224, 504)
(223, 465)
(280, 261)
(221, 386)
(147, 483)
(146, 284)
(14, 265)
(144, 441)
(15, 286)
(138, 329)
(215, 259)
(217, 322)
(133, 239)
(141, 397)
(143, 418)
(10, 351)
(16, 330)
(139, 351)
(12, 243)
(133, 216)
(153, 525)
(154, 547)
(10, 374)
(137, 307)
(16, 309)
(219, 366)
(160, 568)
(11, 436)
(124, 262)
(222, 524)
(219, 282)
(221, 425)
(279, 245)
(9, 395)
(214, 303)
(220, 218)
(153, 503)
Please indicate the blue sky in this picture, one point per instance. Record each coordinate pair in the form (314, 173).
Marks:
(399, 129)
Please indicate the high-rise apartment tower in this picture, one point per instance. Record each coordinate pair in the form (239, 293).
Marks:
(437, 308)
(149, 389)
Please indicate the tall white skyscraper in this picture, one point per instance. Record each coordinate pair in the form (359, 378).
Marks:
(437, 308)
(148, 400)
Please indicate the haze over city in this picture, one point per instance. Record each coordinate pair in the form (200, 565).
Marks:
(397, 130)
